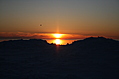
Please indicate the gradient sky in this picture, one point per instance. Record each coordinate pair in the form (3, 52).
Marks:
(82, 17)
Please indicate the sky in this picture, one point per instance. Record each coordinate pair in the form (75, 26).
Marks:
(76, 18)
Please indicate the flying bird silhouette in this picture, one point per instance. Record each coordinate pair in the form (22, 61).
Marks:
(40, 24)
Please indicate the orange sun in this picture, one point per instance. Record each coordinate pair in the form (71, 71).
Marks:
(58, 42)
(57, 35)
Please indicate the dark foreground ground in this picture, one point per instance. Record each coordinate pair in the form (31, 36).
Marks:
(91, 58)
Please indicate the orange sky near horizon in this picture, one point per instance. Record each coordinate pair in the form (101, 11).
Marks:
(25, 35)
(77, 19)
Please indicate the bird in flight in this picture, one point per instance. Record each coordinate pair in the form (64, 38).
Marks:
(40, 24)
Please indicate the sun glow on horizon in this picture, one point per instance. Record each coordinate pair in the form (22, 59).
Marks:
(58, 41)
(57, 35)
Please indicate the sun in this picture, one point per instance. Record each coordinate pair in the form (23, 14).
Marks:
(57, 35)
(57, 41)
(58, 38)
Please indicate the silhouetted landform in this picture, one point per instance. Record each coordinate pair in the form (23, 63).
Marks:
(91, 58)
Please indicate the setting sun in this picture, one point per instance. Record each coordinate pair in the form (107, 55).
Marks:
(57, 41)
(57, 35)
